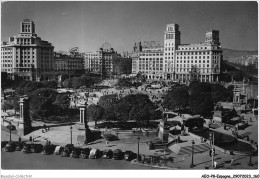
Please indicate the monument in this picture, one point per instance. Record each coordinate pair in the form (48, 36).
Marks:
(25, 124)
(84, 133)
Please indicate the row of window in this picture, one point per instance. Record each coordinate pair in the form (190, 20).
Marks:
(6, 52)
(151, 69)
(150, 54)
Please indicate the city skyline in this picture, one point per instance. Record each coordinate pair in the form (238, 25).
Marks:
(80, 24)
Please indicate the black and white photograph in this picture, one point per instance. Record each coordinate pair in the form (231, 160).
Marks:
(129, 89)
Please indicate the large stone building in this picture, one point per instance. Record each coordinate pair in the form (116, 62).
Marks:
(180, 62)
(103, 62)
(122, 66)
(69, 64)
(26, 55)
(148, 59)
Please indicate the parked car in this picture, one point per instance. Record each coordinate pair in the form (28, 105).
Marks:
(3, 144)
(67, 150)
(26, 148)
(75, 152)
(94, 153)
(36, 148)
(85, 153)
(48, 149)
(129, 155)
(118, 154)
(19, 146)
(107, 154)
(58, 150)
(9, 147)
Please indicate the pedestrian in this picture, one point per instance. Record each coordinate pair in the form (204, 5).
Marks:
(20, 139)
(215, 164)
(231, 161)
(107, 143)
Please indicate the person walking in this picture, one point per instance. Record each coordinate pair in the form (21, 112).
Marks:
(107, 143)
(231, 161)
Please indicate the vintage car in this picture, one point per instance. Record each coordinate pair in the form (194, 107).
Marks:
(48, 149)
(9, 147)
(19, 146)
(118, 154)
(3, 144)
(36, 148)
(107, 154)
(32, 148)
(26, 148)
(58, 150)
(67, 150)
(85, 153)
(76, 152)
(129, 155)
(94, 153)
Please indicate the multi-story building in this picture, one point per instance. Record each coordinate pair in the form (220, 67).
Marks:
(252, 60)
(148, 59)
(26, 55)
(68, 64)
(101, 61)
(122, 66)
(181, 59)
(180, 62)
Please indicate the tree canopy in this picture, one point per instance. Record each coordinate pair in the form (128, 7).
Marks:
(177, 98)
(95, 113)
(41, 102)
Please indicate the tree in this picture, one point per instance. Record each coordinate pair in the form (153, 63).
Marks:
(50, 84)
(6, 105)
(41, 102)
(95, 113)
(108, 102)
(32, 86)
(199, 87)
(177, 98)
(67, 83)
(218, 93)
(135, 107)
(16, 106)
(201, 103)
(77, 82)
(230, 92)
(62, 102)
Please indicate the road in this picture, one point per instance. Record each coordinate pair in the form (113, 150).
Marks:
(18, 160)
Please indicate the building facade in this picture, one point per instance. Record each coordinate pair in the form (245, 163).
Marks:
(122, 66)
(27, 56)
(148, 59)
(68, 64)
(101, 61)
(179, 62)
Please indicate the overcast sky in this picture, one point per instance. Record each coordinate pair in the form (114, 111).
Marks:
(88, 25)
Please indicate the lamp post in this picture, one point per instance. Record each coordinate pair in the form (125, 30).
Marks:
(250, 158)
(70, 134)
(10, 125)
(192, 164)
(138, 138)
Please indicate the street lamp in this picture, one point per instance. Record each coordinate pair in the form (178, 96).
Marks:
(138, 138)
(10, 125)
(250, 158)
(192, 164)
(70, 134)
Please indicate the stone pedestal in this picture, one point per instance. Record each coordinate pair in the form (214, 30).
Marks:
(83, 130)
(26, 124)
(163, 132)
